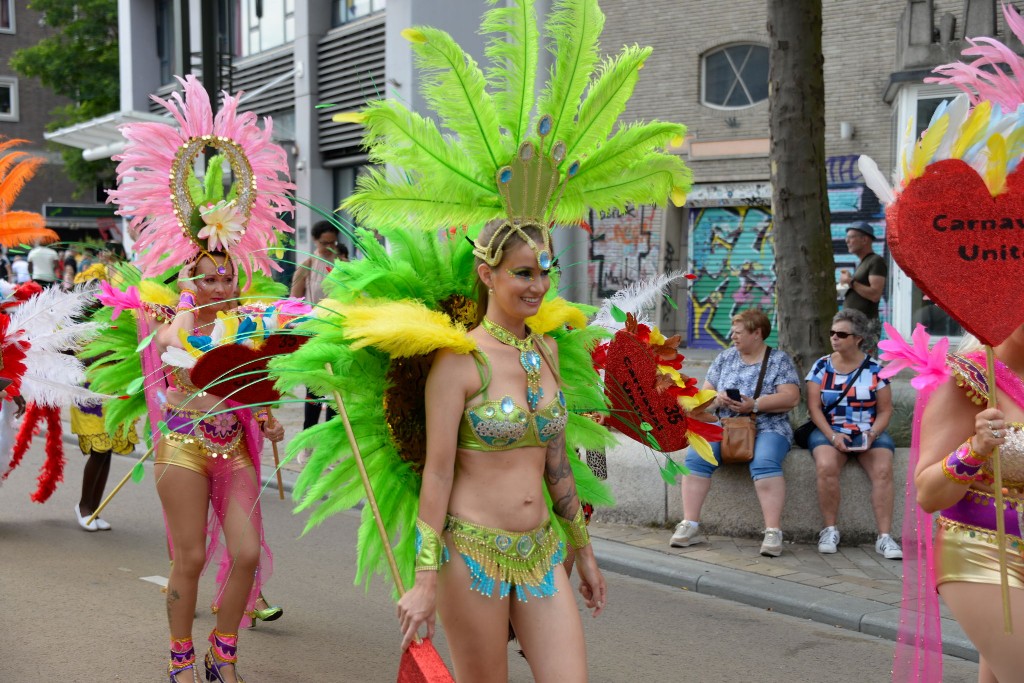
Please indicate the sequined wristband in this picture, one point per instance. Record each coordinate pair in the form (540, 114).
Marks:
(262, 415)
(186, 301)
(575, 529)
(962, 465)
(428, 547)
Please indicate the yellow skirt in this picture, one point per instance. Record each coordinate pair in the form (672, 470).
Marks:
(94, 438)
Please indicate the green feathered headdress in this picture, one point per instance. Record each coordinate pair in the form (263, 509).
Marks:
(463, 168)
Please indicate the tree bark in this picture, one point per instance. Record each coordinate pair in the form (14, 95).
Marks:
(804, 263)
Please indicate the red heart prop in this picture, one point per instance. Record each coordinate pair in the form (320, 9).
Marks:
(963, 247)
(239, 373)
(630, 374)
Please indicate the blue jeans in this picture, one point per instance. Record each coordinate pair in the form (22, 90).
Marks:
(770, 450)
(883, 440)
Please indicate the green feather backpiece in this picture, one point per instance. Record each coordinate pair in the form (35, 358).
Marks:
(419, 269)
(445, 173)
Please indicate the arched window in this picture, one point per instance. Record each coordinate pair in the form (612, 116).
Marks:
(735, 76)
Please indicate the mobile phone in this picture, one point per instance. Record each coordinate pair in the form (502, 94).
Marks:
(858, 442)
(733, 394)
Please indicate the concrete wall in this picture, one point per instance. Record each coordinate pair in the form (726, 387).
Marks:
(643, 498)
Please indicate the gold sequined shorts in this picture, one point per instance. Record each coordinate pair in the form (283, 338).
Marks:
(959, 556)
(174, 449)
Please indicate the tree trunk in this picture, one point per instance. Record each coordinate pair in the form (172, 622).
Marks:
(804, 263)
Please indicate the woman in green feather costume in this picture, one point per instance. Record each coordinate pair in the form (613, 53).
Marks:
(466, 435)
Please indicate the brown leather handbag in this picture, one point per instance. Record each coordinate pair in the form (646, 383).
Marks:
(739, 433)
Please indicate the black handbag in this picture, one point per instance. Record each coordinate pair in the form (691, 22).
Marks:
(802, 434)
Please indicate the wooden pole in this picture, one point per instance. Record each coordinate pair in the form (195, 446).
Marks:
(277, 463)
(997, 484)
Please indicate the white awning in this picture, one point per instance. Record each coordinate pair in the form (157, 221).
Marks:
(101, 138)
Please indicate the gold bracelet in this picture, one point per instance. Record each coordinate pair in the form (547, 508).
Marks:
(575, 529)
(428, 548)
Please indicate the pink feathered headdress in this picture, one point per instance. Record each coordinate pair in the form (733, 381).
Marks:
(156, 188)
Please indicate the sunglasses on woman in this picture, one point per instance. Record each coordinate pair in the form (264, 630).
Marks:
(841, 335)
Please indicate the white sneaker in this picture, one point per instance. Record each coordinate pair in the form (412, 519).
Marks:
(102, 524)
(828, 540)
(686, 534)
(888, 548)
(772, 544)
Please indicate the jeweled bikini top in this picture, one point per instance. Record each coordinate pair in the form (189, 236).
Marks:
(969, 374)
(503, 425)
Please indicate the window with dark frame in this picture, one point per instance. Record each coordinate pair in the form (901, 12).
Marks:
(350, 10)
(735, 76)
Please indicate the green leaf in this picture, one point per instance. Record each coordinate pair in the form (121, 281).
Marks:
(163, 427)
(195, 188)
(214, 180)
(672, 302)
(669, 477)
(618, 315)
(143, 344)
(135, 386)
(138, 472)
(646, 426)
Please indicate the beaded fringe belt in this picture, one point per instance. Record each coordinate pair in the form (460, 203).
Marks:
(523, 560)
(975, 514)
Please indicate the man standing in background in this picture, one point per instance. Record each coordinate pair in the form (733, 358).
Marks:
(43, 263)
(867, 284)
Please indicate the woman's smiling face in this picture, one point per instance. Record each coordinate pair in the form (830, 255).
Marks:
(519, 283)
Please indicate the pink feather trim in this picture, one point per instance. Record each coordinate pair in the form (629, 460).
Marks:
(929, 365)
(128, 300)
(143, 177)
(984, 78)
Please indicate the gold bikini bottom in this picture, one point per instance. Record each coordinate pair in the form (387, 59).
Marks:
(189, 452)
(963, 555)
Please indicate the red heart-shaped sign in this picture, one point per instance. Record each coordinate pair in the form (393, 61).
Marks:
(963, 247)
(239, 373)
(638, 409)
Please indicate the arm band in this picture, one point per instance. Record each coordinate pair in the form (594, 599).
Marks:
(262, 415)
(429, 548)
(962, 465)
(575, 529)
(186, 301)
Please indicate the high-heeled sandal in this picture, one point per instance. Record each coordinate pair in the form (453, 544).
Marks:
(269, 613)
(223, 651)
(183, 658)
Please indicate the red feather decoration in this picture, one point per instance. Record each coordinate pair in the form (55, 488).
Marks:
(29, 428)
(52, 472)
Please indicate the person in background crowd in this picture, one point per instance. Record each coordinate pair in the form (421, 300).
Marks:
(42, 261)
(307, 283)
(855, 427)
(69, 269)
(867, 284)
(736, 370)
(20, 271)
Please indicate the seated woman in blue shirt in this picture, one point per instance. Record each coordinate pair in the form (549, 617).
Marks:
(855, 427)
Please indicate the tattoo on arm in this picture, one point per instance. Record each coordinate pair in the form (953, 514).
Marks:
(558, 475)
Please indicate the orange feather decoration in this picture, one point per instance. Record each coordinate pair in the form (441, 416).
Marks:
(19, 227)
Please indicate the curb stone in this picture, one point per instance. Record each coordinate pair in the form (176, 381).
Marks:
(796, 600)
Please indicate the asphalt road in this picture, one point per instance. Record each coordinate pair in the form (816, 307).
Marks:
(76, 608)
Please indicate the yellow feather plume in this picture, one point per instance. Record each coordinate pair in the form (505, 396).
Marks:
(403, 328)
(1015, 142)
(973, 129)
(930, 141)
(555, 313)
(152, 293)
(183, 338)
(995, 172)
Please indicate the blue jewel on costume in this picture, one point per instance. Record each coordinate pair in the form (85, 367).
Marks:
(544, 260)
(507, 405)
